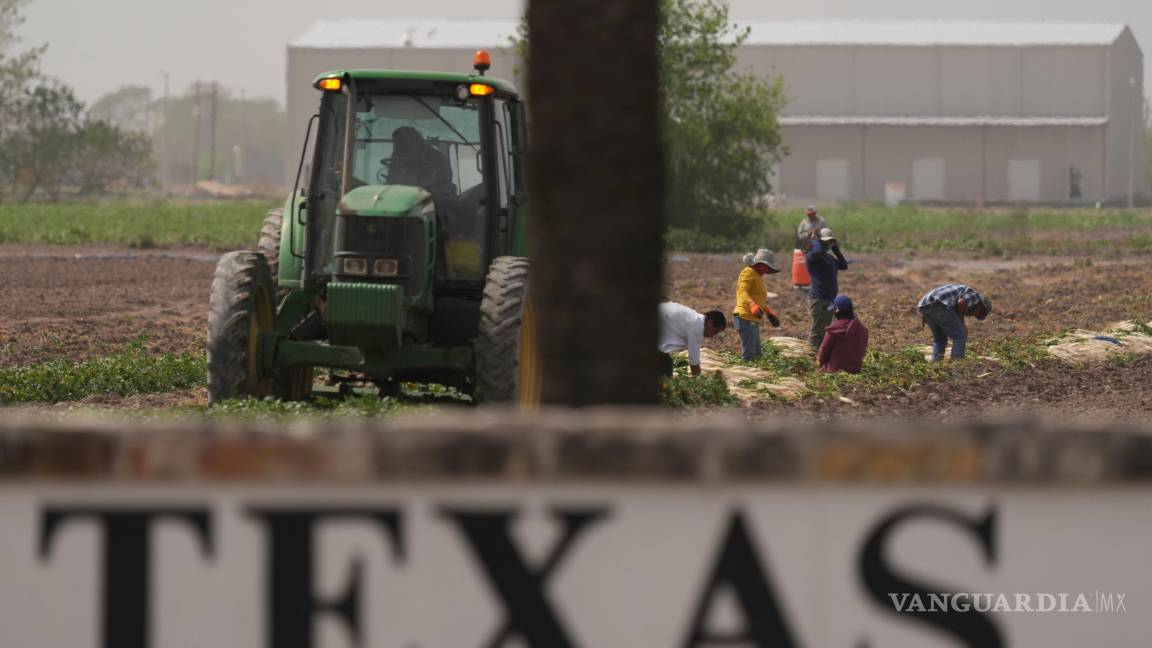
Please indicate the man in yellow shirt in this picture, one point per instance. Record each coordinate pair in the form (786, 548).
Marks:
(752, 302)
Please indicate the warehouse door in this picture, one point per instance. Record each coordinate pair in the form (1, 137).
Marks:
(928, 179)
(832, 179)
(1024, 180)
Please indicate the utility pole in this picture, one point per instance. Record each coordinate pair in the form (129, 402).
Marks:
(164, 121)
(212, 130)
(196, 137)
(587, 358)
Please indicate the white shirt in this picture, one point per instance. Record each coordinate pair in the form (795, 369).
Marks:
(681, 328)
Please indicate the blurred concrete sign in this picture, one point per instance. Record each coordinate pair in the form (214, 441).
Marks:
(593, 565)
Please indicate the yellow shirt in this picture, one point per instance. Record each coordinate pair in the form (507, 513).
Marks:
(750, 287)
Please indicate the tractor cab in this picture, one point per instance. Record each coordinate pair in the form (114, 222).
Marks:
(388, 142)
(387, 257)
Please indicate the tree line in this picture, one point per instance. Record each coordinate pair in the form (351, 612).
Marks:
(719, 129)
(53, 146)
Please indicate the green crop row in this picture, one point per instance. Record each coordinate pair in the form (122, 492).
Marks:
(989, 233)
(123, 374)
(142, 225)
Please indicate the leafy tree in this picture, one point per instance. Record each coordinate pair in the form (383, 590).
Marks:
(721, 136)
(129, 107)
(16, 71)
(46, 141)
(43, 143)
(109, 157)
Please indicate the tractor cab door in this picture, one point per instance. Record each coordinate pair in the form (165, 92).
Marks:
(326, 187)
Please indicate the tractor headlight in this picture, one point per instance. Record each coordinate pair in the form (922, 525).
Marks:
(385, 267)
(354, 266)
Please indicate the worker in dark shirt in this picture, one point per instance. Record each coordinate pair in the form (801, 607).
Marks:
(824, 261)
(417, 163)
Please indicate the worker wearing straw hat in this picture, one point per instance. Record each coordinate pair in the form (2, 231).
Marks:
(944, 308)
(823, 267)
(752, 301)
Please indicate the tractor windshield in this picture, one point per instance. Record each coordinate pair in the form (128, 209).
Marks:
(425, 141)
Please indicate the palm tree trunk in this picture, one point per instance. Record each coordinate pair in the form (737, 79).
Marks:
(597, 198)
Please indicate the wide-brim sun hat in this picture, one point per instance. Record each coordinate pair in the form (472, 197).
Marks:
(767, 257)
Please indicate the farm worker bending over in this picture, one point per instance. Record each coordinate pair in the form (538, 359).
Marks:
(812, 222)
(752, 301)
(845, 340)
(943, 309)
(683, 328)
(823, 268)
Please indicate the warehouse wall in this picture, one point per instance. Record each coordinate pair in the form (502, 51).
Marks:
(875, 155)
(1065, 81)
(1126, 117)
(980, 81)
(1056, 149)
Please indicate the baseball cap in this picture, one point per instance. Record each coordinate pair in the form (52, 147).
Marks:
(810, 210)
(826, 234)
(841, 303)
(987, 301)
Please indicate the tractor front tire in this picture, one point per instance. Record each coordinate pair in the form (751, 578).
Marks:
(269, 242)
(507, 359)
(240, 308)
(269, 245)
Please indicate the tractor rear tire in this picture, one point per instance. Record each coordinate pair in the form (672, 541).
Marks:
(240, 308)
(507, 361)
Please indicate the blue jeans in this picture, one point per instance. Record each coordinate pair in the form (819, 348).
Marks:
(749, 338)
(945, 325)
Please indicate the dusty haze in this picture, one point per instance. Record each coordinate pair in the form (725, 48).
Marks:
(99, 46)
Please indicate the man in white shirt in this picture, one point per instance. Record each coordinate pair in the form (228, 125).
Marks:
(682, 328)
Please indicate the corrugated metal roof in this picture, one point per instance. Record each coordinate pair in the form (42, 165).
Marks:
(941, 121)
(435, 34)
(440, 33)
(932, 32)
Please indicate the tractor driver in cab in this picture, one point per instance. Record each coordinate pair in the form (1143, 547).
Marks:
(415, 162)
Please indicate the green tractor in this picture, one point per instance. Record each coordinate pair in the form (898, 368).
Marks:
(400, 258)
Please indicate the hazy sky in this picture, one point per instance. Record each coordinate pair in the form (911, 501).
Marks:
(99, 45)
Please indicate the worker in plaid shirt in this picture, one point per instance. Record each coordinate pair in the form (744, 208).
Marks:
(943, 309)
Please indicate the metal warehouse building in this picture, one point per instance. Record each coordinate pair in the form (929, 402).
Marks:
(958, 112)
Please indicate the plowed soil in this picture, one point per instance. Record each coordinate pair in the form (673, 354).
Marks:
(77, 303)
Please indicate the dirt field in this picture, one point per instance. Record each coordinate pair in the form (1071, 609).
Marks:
(81, 302)
(72, 302)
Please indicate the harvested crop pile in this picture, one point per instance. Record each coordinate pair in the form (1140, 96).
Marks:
(1082, 346)
(750, 384)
